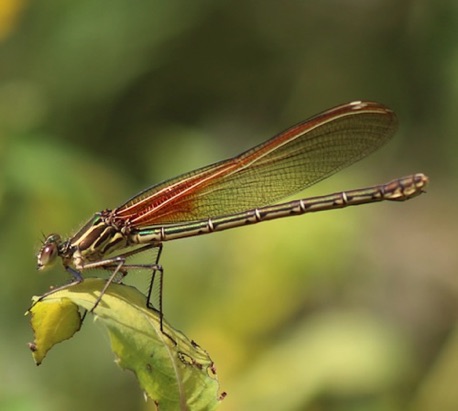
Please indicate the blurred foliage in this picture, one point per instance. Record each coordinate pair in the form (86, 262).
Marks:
(350, 310)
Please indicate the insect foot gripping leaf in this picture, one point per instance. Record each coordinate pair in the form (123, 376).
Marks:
(174, 371)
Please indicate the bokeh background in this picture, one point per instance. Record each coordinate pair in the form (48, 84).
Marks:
(348, 310)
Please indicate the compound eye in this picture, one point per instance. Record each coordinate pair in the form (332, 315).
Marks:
(48, 252)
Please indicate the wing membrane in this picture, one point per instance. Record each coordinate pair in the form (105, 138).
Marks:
(287, 163)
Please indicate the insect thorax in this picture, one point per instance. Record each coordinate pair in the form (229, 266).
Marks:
(97, 239)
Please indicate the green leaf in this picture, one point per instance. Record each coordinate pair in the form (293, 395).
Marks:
(174, 371)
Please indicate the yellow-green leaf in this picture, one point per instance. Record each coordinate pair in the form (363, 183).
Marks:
(174, 371)
(52, 322)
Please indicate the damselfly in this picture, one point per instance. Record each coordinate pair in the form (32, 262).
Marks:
(236, 192)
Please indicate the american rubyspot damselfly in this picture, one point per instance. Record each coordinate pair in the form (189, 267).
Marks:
(236, 192)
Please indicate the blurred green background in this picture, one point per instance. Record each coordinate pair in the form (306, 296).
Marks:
(349, 310)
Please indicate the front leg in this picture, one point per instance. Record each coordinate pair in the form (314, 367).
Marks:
(118, 269)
